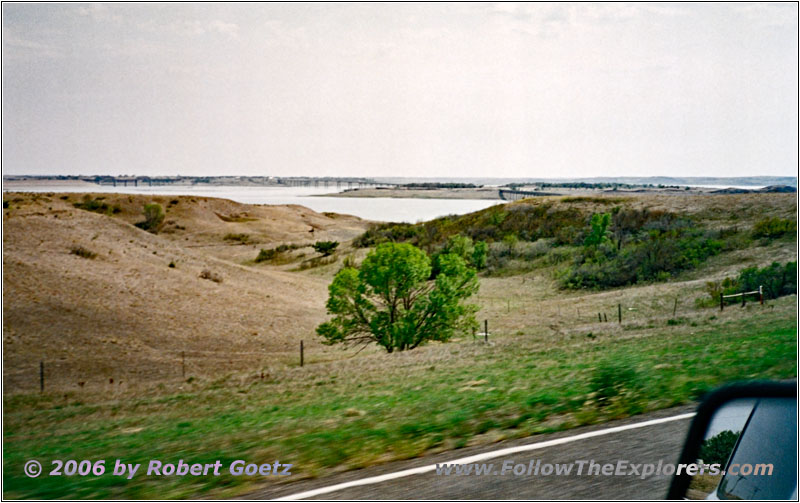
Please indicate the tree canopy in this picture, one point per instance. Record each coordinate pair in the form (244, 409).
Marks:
(391, 300)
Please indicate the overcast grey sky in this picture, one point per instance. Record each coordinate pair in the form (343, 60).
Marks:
(513, 90)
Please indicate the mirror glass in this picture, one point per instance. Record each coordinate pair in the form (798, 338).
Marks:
(749, 452)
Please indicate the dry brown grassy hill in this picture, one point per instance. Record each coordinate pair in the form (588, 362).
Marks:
(126, 314)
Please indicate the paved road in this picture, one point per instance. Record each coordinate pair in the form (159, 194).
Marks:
(649, 444)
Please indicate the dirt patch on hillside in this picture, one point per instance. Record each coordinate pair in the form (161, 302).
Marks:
(128, 309)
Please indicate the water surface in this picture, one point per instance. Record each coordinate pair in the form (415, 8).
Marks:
(388, 209)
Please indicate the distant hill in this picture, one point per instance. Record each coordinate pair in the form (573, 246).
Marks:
(754, 181)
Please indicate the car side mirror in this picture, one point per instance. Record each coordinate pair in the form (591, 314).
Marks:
(742, 444)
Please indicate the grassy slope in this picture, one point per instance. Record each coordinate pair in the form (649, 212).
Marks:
(340, 412)
(349, 415)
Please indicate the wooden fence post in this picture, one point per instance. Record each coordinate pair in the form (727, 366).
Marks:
(761, 294)
(743, 298)
(605, 317)
(41, 376)
(599, 318)
(675, 307)
(301, 353)
(721, 302)
(619, 312)
(485, 330)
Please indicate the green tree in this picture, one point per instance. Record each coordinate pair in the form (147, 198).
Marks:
(718, 448)
(153, 217)
(474, 254)
(391, 301)
(325, 247)
(600, 223)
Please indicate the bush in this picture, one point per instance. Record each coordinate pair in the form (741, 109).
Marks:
(718, 448)
(82, 252)
(777, 280)
(774, 227)
(241, 238)
(265, 255)
(325, 247)
(153, 218)
(96, 205)
(207, 274)
(663, 245)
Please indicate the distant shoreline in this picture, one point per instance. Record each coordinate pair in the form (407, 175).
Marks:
(493, 193)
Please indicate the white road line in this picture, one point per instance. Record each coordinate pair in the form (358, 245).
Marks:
(481, 457)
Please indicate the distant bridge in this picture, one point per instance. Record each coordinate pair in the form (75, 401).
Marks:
(135, 181)
(514, 195)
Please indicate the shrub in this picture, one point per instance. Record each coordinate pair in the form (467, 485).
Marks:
(207, 274)
(663, 245)
(774, 227)
(265, 255)
(241, 238)
(718, 448)
(96, 205)
(82, 252)
(325, 247)
(777, 280)
(153, 218)
(316, 262)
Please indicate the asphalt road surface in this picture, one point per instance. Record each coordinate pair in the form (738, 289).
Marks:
(605, 443)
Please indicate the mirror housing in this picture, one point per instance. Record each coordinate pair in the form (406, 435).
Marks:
(706, 412)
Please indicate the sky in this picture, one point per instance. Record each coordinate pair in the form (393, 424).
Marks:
(440, 90)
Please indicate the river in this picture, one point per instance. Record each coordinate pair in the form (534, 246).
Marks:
(386, 209)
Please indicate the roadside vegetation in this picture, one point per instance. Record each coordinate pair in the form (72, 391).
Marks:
(344, 416)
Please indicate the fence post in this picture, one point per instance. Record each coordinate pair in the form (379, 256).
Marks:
(183, 364)
(619, 312)
(761, 294)
(605, 317)
(599, 318)
(743, 298)
(301, 353)
(41, 376)
(485, 330)
(721, 302)
(675, 307)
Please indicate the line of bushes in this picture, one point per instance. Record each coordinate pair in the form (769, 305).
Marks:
(777, 280)
(620, 247)
(97, 205)
(775, 227)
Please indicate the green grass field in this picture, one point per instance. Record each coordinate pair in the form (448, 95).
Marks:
(335, 415)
